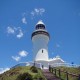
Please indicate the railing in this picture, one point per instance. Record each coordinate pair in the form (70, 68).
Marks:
(57, 72)
(64, 64)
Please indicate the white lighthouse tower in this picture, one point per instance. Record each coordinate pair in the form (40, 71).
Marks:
(40, 38)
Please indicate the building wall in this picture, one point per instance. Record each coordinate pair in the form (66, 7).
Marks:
(40, 47)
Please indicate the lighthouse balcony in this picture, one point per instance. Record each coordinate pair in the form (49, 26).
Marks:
(40, 32)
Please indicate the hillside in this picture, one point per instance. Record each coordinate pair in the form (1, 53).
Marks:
(23, 73)
(33, 73)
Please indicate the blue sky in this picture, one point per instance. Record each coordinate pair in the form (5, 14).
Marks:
(17, 22)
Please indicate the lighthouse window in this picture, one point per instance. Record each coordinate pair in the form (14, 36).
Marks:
(42, 51)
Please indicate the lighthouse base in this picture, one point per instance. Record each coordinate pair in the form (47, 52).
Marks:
(44, 64)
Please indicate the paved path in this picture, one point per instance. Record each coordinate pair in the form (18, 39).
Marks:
(49, 76)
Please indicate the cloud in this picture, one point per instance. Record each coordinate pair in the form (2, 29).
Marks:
(37, 11)
(24, 21)
(17, 31)
(20, 34)
(16, 58)
(10, 30)
(23, 53)
(33, 13)
(2, 70)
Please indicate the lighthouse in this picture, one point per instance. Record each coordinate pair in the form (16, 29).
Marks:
(40, 38)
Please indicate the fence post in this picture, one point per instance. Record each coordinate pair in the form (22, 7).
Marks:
(49, 68)
(52, 70)
(67, 75)
(79, 77)
(55, 71)
(59, 73)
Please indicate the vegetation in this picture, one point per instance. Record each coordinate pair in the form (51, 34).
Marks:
(34, 69)
(23, 73)
(33, 73)
(71, 70)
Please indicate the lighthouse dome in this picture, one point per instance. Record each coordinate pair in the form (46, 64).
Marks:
(40, 22)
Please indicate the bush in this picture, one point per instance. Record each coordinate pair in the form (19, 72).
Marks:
(25, 76)
(34, 69)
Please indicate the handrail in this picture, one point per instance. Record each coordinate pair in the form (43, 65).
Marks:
(54, 70)
(68, 73)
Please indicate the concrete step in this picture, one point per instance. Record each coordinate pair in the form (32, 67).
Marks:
(49, 75)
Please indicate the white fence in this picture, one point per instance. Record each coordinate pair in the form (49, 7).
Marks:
(64, 64)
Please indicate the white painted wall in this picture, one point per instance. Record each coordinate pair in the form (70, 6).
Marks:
(40, 42)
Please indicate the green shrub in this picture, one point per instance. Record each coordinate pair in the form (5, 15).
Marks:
(24, 76)
(34, 69)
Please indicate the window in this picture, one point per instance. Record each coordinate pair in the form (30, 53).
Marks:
(42, 51)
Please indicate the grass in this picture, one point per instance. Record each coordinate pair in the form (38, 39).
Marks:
(21, 73)
(33, 73)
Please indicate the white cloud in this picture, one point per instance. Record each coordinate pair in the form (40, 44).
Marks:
(10, 30)
(20, 34)
(2, 70)
(17, 31)
(24, 21)
(16, 58)
(23, 53)
(37, 11)
(42, 10)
